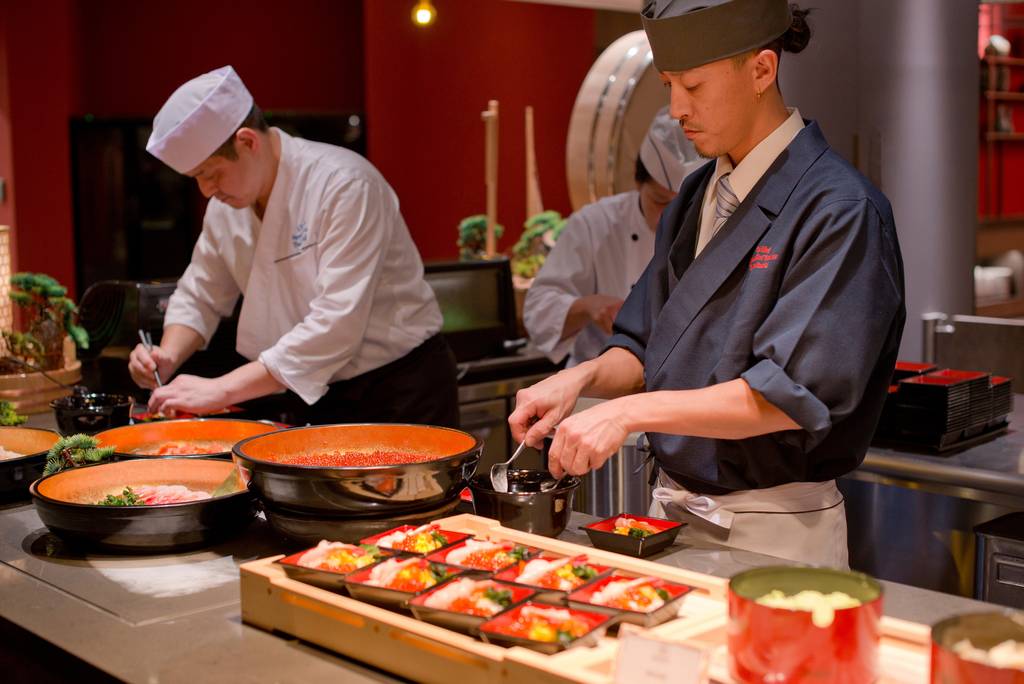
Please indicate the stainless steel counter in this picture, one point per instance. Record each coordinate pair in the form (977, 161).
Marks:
(157, 619)
(912, 516)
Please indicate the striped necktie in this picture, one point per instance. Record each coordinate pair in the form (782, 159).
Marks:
(726, 202)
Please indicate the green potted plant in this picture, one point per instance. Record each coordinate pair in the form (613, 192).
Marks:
(48, 315)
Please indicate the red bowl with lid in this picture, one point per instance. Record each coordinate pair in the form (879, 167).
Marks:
(778, 645)
(962, 648)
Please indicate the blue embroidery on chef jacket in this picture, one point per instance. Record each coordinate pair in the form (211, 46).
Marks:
(299, 236)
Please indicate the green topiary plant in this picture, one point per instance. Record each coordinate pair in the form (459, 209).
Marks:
(8, 416)
(539, 234)
(49, 315)
(473, 237)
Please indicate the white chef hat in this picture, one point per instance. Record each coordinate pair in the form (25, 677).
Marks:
(198, 118)
(666, 153)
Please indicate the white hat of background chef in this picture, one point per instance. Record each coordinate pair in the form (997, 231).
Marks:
(198, 118)
(666, 153)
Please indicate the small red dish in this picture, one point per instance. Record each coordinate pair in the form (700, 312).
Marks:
(432, 538)
(578, 575)
(507, 628)
(395, 595)
(603, 535)
(669, 592)
(326, 578)
(464, 620)
(483, 555)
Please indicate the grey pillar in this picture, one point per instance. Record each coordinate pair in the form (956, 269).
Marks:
(894, 86)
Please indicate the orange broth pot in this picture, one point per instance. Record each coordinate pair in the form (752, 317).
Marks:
(362, 470)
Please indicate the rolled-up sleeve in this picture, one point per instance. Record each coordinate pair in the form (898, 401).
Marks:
(815, 352)
(206, 292)
(358, 227)
(567, 274)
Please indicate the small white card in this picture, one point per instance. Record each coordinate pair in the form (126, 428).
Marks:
(644, 659)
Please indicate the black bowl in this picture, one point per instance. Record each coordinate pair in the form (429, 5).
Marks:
(367, 491)
(525, 507)
(91, 413)
(16, 474)
(62, 502)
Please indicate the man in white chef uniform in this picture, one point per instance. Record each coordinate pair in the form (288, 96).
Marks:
(603, 249)
(335, 309)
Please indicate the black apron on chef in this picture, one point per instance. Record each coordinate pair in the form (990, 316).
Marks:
(420, 387)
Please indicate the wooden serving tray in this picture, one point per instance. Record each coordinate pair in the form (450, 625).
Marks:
(423, 652)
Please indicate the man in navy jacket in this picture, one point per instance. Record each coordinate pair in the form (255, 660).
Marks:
(757, 348)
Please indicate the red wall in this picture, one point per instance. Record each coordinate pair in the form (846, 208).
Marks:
(425, 89)
(303, 54)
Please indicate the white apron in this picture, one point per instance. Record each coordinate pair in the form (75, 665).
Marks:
(802, 521)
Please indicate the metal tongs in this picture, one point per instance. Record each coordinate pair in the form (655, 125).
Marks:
(147, 342)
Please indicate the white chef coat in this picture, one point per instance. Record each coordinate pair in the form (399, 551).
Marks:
(333, 283)
(603, 249)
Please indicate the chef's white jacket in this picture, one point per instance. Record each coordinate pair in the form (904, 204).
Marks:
(603, 249)
(333, 283)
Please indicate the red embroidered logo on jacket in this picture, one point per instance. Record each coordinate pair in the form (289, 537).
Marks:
(763, 257)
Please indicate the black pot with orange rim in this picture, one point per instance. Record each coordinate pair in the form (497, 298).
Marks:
(372, 470)
(184, 438)
(18, 472)
(779, 645)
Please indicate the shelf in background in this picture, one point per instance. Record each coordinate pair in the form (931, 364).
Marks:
(996, 236)
(1005, 137)
(1004, 96)
(1004, 61)
(1011, 308)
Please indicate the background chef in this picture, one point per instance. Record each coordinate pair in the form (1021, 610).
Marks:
(603, 249)
(757, 348)
(335, 311)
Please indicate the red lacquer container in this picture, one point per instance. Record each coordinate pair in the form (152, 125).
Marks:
(983, 630)
(779, 645)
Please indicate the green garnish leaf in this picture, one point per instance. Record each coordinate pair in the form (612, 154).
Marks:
(662, 594)
(638, 533)
(371, 549)
(439, 571)
(584, 572)
(503, 597)
(564, 637)
(439, 538)
(519, 553)
(125, 498)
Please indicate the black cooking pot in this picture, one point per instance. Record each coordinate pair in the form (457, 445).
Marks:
(278, 469)
(525, 507)
(91, 412)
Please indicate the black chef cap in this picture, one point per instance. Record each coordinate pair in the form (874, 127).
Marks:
(688, 33)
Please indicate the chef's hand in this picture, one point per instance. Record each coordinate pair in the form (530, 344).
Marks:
(142, 363)
(541, 407)
(190, 393)
(602, 310)
(586, 440)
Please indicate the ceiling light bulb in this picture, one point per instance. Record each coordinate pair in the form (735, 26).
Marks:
(423, 13)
